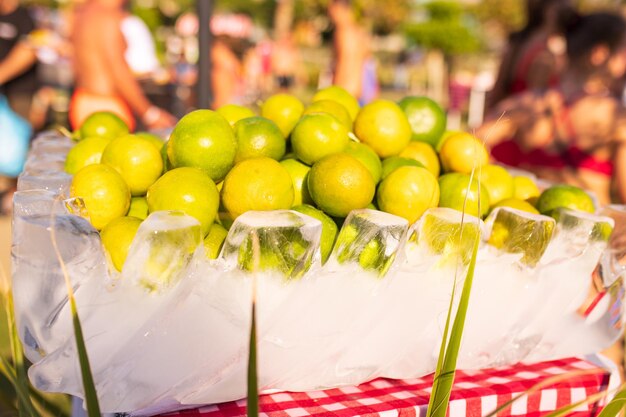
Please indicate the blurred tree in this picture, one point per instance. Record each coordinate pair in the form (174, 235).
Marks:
(383, 17)
(507, 15)
(444, 30)
(444, 26)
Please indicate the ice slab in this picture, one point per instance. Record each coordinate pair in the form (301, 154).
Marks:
(161, 251)
(58, 182)
(281, 240)
(371, 239)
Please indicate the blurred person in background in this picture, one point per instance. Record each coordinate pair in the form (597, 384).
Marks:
(18, 70)
(573, 133)
(104, 79)
(354, 67)
(18, 74)
(285, 63)
(227, 78)
(535, 55)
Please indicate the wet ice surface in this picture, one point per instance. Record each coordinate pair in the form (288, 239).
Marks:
(172, 329)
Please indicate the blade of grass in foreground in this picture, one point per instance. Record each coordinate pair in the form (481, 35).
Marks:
(615, 406)
(253, 382)
(91, 397)
(444, 376)
(16, 372)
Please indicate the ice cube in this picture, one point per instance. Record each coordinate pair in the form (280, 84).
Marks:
(45, 162)
(162, 249)
(31, 202)
(516, 231)
(58, 182)
(285, 241)
(52, 142)
(445, 234)
(613, 261)
(39, 287)
(371, 239)
(579, 234)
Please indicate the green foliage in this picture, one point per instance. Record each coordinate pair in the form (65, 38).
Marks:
(445, 27)
(508, 15)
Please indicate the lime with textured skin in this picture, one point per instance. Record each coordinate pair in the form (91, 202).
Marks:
(394, 162)
(257, 184)
(426, 117)
(339, 183)
(341, 96)
(498, 182)
(456, 193)
(329, 228)
(104, 192)
(298, 172)
(284, 110)
(86, 152)
(214, 240)
(408, 192)
(137, 160)
(186, 189)
(318, 135)
(367, 157)
(383, 126)
(203, 139)
(333, 108)
(564, 196)
(102, 124)
(117, 236)
(518, 204)
(234, 112)
(256, 137)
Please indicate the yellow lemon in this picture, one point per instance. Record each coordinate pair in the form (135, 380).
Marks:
(117, 236)
(383, 126)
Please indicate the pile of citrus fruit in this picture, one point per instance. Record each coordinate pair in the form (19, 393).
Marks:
(323, 159)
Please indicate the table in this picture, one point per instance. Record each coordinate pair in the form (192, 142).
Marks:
(475, 394)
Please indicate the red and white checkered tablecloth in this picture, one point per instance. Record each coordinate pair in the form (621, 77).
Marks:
(475, 394)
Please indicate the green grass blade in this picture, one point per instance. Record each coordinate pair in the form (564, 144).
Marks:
(441, 391)
(253, 384)
(253, 381)
(57, 406)
(615, 406)
(91, 396)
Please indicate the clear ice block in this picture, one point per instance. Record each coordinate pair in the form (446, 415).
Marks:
(39, 288)
(447, 235)
(516, 231)
(162, 250)
(371, 239)
(613, 261)
(58, 182)
(286, 241)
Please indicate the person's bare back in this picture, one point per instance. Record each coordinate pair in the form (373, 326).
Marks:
(89, 39)
(103, 77)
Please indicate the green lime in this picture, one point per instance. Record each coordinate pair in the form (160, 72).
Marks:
(564, 196)
(234, 112)
(103, 124)
(329, 228)
(456, 193)
(383, 126)
(408, 192)
(318, 135)
(86, 152)
(284, 110)
(341, 96)
(497, 181)
(367, 157)
(189, 190)
(258, 136)
(298, 172)
(426, 117)
(203, 139)
(117, 236)
(333, 108)
(394, 162)
(339, 183)
(214, 240)
(138, 207)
